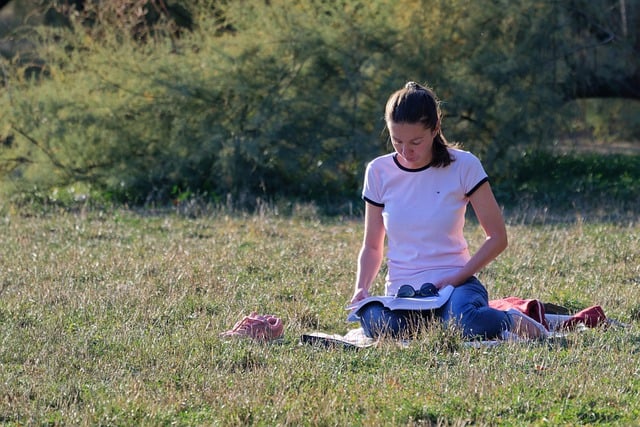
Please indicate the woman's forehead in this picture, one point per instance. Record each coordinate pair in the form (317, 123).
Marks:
(406, 130)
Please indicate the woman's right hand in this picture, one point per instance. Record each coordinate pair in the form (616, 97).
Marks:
(359, 295)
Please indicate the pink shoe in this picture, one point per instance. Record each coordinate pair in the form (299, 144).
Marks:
(260, 327)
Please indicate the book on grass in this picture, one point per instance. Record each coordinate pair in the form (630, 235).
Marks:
(402, 303)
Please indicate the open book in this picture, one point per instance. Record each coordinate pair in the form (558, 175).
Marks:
(397, 303)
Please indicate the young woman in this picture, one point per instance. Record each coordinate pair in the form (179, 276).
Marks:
(417, 197)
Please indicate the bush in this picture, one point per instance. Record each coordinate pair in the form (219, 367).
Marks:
(270, 99)
(275, 107)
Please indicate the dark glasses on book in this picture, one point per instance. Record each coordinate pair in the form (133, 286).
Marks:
(426, 290)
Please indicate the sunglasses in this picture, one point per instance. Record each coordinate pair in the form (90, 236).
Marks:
(426, 290)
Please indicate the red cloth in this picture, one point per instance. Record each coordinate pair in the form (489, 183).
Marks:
(531, 307)
(590, 317)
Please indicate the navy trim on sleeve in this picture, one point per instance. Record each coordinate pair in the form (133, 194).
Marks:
(380, 205)
(473, 190)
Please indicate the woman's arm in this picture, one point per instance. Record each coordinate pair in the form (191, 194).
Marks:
(490, 217)
(371, 253)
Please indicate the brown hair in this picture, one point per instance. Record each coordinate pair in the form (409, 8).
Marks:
(418, 104)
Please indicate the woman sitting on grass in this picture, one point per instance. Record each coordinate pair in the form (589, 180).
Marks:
(417, 196)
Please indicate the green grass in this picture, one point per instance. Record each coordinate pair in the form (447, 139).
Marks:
(112, 318)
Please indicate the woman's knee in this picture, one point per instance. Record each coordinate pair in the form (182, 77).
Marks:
(466, 298)
(377, 320)
(468, 308)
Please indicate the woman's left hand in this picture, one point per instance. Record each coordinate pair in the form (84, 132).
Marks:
(446, 281)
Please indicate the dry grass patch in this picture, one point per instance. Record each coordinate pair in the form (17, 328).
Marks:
(113, 318)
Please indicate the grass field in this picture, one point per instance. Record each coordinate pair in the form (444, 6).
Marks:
(112, 318)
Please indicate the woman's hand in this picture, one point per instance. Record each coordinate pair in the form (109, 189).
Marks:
(446, 281)
(359, 295)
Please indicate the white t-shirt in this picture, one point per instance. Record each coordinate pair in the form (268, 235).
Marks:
(424, 215)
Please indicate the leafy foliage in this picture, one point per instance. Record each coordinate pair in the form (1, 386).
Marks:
(285, 98)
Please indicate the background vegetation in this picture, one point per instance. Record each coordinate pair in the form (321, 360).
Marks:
(112, 318)
(147, 102)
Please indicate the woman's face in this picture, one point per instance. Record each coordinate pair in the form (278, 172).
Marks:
(413, 143)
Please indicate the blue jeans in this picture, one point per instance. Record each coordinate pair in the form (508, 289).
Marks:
(468, 308)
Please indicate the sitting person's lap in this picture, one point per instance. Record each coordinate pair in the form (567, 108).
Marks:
(467, 308)
(377, 320)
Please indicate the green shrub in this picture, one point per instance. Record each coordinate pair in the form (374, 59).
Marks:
(276, 99)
